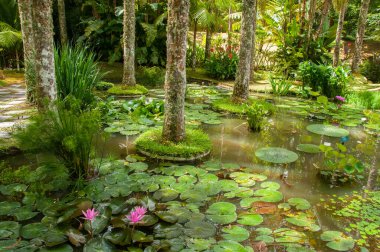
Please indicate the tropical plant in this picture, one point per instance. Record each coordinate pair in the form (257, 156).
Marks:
(256, 113)
(365, 99)
(371, 68)
(77, 73)
(280, 86)
(223, 63)
(150, 76)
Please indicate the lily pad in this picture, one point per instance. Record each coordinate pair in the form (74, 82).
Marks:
(199, 229)
(222, 213)
(165, 194)
(98, 245)
(299, 203)
(303, 220)
(308, 148)
(338, 241)
(33, 230)
(7, 207)
(250, 219)
(267, 195)
(327, 130)
(235, 233)
(230, 246)
(60, 248)
(9, 229)
(276, 155)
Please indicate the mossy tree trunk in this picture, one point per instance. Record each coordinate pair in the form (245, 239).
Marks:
(253, 55)
(129, 28)
(360, 35)
(44, 48)
(324, 16)
(25, 8)
(243, 75)
(208, 43)
(339, 29)
(62, 21)
(175, 79)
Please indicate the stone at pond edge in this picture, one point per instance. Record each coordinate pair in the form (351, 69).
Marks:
(276, 155)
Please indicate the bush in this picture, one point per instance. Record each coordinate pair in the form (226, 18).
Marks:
(77, 74)
(222, 63)
(255, 116)
(104, 86)
(128, 90)
(371, 68)
(150, 76)
(325, 79)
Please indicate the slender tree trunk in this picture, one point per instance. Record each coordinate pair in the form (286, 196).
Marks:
(339, 30)
(208, 43)
(359, 35)
(313, 4)
(229, 26)
(324, 16)
(44, 48)
(175, 79)
(17, 60)
(194, 55)
(253, 57)
(129, 43)
(25, 8)
(243, 75)
(303, 16)
(374, 170)
(62, 21)
(2, 76)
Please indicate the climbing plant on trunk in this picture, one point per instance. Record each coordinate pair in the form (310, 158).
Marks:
(129, 43)
(175, 79)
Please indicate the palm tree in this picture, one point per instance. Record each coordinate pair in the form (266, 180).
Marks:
(341, 6)
(9, 38)
(129, 21)
(241, 87)
(175, 79)
(359, 35)
(62, 21)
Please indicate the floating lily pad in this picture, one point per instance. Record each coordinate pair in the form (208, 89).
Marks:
(327, 130)
(98, 245)
(60, 248)
(250, 219)
(338, 241)
(308, 148)
(165, 194)
(222, 213)
(7, 207)
(276, 155)
(24, 213)
(235, 233)
(230, 246)
(267, 195)
(286, 235)
(138, 166)
(270, 185)
(199, 229)
(9, 229)
(299, 203)
(33, 230)
(303, 220)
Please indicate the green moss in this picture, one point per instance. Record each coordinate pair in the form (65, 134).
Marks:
(240, 108)
(127, 90)
(196, 143)
(104, 86)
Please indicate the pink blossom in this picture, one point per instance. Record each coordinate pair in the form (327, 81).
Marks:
(137, 214)
(340, 98)
(90, 214)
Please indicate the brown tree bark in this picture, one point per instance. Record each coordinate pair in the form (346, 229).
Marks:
(44, 48)
(129, 43)
(374, 170)
(324, 16)
(303, 16)
(194, 58)
(253, 56)
(2, 76)
(313, 4)
(175, 79)
(26, 20)
(208, 43)
(62, 21)
(339, 29)
(360, 35)
(243, 75)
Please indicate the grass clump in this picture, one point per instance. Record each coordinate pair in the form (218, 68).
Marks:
(240, 108)
(196, 143)
(365, 99)
(127, 90)
(104, 86)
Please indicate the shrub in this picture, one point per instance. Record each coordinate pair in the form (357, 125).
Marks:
(280, 86)
(222, 63)
(255, 116)
(199, 56)
(104, 86)
(77, 73)
(371, 68)
(150, 76)
(127, 90)
(325, 79)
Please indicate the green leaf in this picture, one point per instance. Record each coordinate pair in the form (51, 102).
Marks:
(250, 219)
(222, 213)
(235, 233)
(276, 155)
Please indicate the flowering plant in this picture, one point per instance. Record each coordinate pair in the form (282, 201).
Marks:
(222, 63)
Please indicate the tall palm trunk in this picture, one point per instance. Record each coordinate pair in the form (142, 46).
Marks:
(129, 43)
(243, 75)
(339, 29)
(44, 48)
(313, 4)
(253, 56)
(324, 16)
(62, 21)
(359, 35)
(194, 55)
(25, 8)
(208, 43)
(175, 79)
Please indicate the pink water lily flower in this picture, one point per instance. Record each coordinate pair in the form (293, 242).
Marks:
(90, 214)
(137, 214)
(340, 98)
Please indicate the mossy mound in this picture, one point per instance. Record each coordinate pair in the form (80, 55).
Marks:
(196, 145)
(128, 90)
(240, 108)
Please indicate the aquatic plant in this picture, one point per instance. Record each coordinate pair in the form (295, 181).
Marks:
(137, 214)
(255, 116)
(90, 214)
(280, 86)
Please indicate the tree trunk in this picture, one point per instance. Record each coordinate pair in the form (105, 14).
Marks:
(253, 56)
(303, 16)
(175, 79)
(129, 43)
(324, 16)
(194, 58)
(359, 35)
(25, 8)
(241, 88)
(44, 48)
(208, 43)
(374, 170)
(313, 4)
(17, 60)
(2, 77)
(62, 21)
(339, 30)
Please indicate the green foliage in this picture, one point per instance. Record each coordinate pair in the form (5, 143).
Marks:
(222, 63)
(146, 107)
(326, 79)
(104, 86)
(256, 113)
(127, 90)
(66, 132)
(228, 105)
(77, 73)
(199, 56)
(150, 76)
(365, 99)
(195, 143)
(280, 86)
(371, 68)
